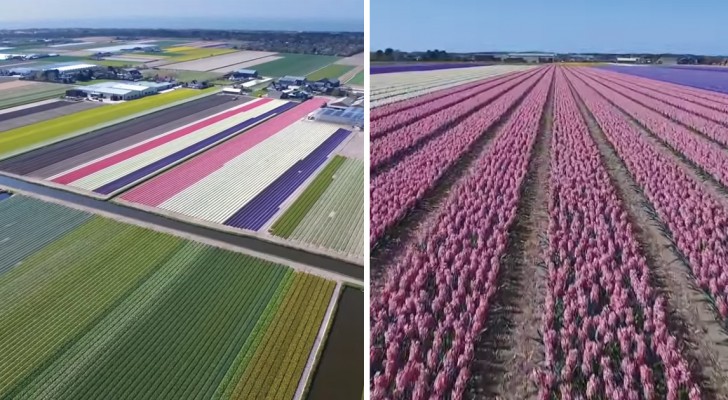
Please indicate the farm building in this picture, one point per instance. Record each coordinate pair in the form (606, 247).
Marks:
(245, 74)
(350, 116)
(628, 60)
(114, 91)
(530, 58)
(292, 80)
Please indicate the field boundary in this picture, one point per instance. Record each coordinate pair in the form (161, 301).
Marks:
(107, 124)
(318, 345)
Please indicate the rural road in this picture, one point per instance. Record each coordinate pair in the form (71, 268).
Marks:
(295, 256)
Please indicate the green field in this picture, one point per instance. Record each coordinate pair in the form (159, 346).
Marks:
(330, 212)
(109, 310)
(30, 94)
(58, 128)
(358, 79)
(115, 63)
(294, 64)
(333, 71)
(181, 54)
(182, 76)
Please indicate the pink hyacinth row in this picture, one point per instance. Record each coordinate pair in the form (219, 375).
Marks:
(434, 304)
(397, 190)
(706, 154)
(682, 102)
(718, 101)
(604, 328)
(385, 147)
(697, 221)
(415, 110)
(679, 112)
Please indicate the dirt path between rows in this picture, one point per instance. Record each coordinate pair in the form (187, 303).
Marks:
(691, 319)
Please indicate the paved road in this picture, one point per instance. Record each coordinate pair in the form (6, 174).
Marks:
(253, 244)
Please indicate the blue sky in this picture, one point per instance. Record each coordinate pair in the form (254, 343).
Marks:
(699, 26)
(17, 14)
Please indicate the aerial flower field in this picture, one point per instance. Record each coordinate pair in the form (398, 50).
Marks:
(552, 233)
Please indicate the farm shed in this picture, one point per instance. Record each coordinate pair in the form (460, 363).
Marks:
(114, 91)
(292, 80)
(350, 116)
(245, 74)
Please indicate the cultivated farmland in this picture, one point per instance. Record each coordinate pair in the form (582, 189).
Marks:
(121, 311)
(53, 130)
(294, 64)
(333, 71)
(557, 232)
(220, 62)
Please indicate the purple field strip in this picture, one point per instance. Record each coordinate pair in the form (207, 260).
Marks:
(397, 190)
(34, 110)
(409, 115)
(165, 162)
(708, 80)
(435, 303)
(709, 127)
(386, 69)
(695, 219)
(702, 97)
(386, 148)
(254, 215)
(699, 68)
(674, 100)
(399, 106)
(598, 281)
(5, 195)
(706, 154)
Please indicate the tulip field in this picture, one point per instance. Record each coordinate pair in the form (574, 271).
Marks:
(98, 309)
(551, 233)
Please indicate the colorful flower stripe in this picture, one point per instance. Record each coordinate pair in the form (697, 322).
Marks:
(678, 112)
(123, 168)
(604, 328)
(165, 186)
(265, 205)
(176, 157)
(697, 221)
(397, 190)
(706, 154)
(386, 148)
(434, 304)
(96, 166)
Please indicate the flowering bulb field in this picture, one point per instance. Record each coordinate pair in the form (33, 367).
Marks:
(98, 309)
(555, 233)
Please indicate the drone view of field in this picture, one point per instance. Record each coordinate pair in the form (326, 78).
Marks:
(549, 232)
(162, 238)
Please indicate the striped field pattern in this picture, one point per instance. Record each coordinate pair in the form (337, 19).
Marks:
(330, 213)
(249, 176)
(121, 169)
(109, 310)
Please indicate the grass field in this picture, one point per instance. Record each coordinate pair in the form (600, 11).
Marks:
(55, 129)
(183, 76)
(180, 54)
(358, 79)
(333, 71)
(294, 64)
(287, 223)
(30, 94)
(115, 63)
(110, 310)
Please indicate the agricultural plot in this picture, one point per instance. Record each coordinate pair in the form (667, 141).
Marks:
(184, 53)
(333, 71)
(556, 200)
(693, 77)
(117, 171)
(357, 79)
(181, 76)
(290, 148)
(395, 87)
(19, 96)
(220, 62)
(330, 212)
(118, 310)
(294, 64)
(42, 112)
(53, 130)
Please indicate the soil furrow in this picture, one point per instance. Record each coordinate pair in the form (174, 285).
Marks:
(691, 320)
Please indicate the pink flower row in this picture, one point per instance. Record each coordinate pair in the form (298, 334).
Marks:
(706, 154)
(383, 126)
(434, 304)
(385, 147)
(679, 111)
(397, 190)
(604, 327)
(697, 221)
